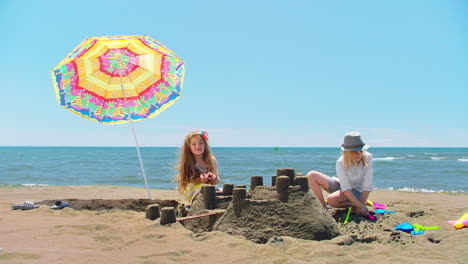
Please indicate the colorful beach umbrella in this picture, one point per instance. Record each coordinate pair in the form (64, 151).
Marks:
(119, 79)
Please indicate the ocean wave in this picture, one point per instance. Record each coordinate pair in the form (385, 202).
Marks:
(388, 159)
(431, 154)
(24, 185)
(422, 190)
(439, 158)
(462, 160)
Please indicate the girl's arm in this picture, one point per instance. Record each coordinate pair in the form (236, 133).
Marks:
(367, 184)
(342, 175)
(361, 207)
(215, 171)
(364, 197)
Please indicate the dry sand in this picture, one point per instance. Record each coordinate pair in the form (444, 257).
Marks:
(124, 236)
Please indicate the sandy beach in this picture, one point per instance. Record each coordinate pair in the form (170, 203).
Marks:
(125, 236)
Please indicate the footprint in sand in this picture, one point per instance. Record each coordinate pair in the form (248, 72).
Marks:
(416, 213)
(154, 236)
(234, 245)
(107, 239)
(180, 256)
(82, 229)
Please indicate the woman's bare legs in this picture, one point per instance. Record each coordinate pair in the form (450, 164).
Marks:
(338, 200)
(317, 182)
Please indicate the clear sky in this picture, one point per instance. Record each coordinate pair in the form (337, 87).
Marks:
(258, 73)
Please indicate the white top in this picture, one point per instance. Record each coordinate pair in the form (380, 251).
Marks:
(357, 177)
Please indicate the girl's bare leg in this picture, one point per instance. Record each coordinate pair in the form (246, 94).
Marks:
(317, 181)
(338, 200)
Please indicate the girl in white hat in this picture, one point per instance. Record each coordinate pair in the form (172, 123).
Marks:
(354, 182)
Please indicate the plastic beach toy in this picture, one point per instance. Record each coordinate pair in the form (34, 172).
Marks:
(420, 227)
(417, 232)
(460, 223)
(347, 216)
(405, 227)
(382, 211)
(376, 205)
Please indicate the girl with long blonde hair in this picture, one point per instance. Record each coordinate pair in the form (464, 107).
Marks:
(354, 183)
(197, 165)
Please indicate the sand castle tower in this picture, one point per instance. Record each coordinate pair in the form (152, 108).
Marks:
(287, 208)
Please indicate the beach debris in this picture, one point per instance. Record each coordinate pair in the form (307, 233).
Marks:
(460, 223)
(195, 216)
(415, 214)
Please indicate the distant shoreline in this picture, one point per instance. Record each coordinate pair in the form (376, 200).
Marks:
(223, 147)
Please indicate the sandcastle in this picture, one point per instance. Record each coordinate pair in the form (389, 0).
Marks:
(286, 208)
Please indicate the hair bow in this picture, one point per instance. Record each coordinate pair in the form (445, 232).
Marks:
(204, 134)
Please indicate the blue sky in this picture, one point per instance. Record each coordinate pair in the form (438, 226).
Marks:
(258, 73)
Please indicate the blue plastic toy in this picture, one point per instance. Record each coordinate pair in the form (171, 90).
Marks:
(382, 211)
(417, 232)
(405, 227)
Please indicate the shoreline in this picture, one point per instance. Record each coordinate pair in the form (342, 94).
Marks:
(123, 236)
(166, 190)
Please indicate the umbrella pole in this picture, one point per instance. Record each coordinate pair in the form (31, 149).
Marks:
(132, 127)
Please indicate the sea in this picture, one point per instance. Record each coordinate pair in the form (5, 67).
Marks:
(407, 169)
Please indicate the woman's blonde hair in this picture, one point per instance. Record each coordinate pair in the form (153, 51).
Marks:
(187, 171)
(349, 161)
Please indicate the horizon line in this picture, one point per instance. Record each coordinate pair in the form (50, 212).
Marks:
(45, 146)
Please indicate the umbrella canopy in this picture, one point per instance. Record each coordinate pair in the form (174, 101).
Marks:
(117, 79)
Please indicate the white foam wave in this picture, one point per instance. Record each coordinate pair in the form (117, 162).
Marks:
(462, 160)
(409, 189)
(388, 159)
(23, 185)
(438, 158)
(411, 156)
(431, 154)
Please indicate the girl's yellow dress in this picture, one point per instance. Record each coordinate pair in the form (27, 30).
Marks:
(192, 191)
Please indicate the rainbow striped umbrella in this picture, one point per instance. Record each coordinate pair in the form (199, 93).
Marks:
(119, 79)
